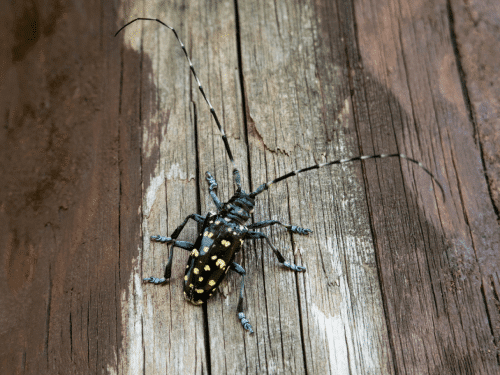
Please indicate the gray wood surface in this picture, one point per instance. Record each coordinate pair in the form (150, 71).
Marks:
(106, 141)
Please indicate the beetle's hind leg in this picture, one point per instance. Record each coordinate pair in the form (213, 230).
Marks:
(290, 228)
(258, 235)
(168, 268)
(241, 315)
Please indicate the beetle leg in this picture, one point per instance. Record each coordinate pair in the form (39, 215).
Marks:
(180, 244)
(195, 217)
(291, 228)
(155, 280)
(183, 245)
(173, 242)
(257, 235)
(241, 315)
(212, 185)
(168, 268)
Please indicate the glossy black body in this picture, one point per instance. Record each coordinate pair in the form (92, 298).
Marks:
(214, 251)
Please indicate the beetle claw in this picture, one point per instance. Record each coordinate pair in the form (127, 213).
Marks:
(154, 280)
(299, 230)
(244, 321)
(294, 267)
(248, 327)
(300, 268)
(161, 239)
(211, 181)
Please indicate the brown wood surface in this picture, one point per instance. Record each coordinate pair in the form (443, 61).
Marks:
(105, 141)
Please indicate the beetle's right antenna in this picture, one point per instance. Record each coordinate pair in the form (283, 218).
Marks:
(236, 173)
(266, 185)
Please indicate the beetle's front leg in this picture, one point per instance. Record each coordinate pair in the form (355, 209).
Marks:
(212, 185)
(168, 268)
(172, 240)
(291, 228)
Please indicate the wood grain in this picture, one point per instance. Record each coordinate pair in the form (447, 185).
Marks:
(105, 142)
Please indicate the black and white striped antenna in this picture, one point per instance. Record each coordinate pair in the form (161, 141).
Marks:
(212, 110)
(266, 185)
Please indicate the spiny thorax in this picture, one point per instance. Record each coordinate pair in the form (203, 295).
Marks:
(239, 208)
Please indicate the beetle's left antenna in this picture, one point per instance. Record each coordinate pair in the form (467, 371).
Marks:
(236, 173)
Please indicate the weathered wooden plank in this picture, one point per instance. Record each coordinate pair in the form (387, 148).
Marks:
(214, 53)
(297, 85)
(171, 336)
(59, 285)
(104, 144)
(130, 210)
(433, 293)
(475, 28)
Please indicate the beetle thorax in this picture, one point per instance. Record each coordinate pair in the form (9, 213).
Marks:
(239, 207)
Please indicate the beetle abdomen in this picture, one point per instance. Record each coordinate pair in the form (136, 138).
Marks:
(211, 258)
